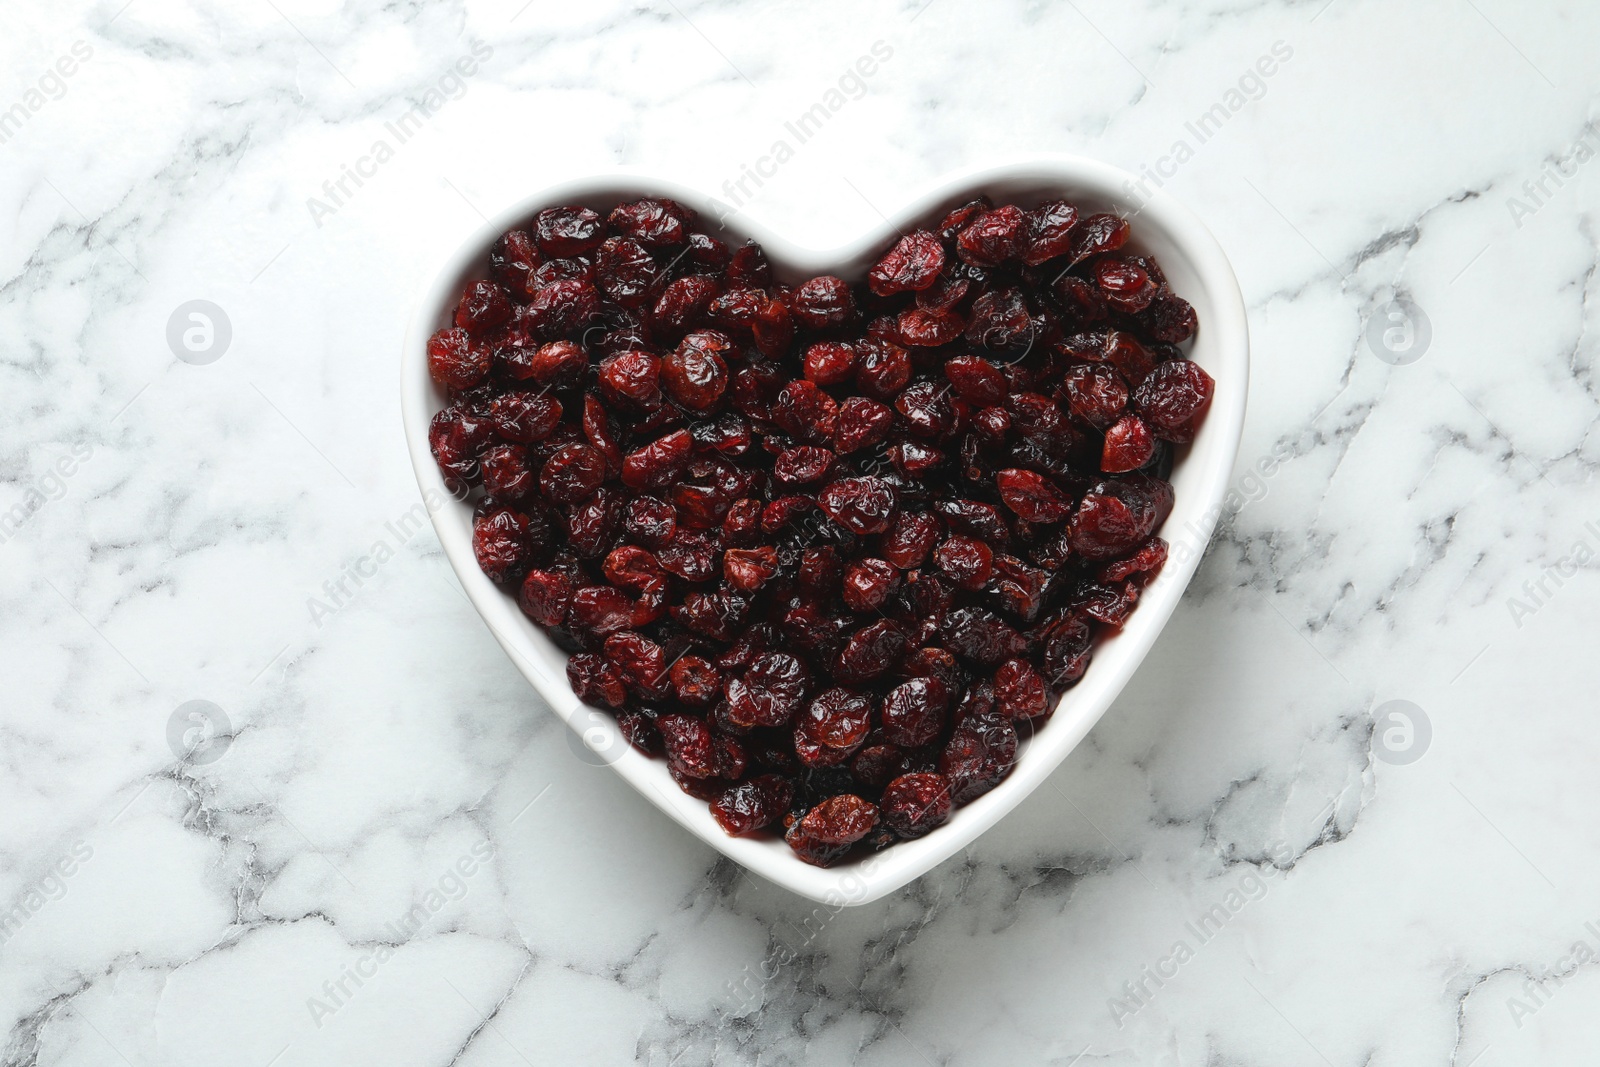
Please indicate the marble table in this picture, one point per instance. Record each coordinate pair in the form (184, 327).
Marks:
(1343, 816)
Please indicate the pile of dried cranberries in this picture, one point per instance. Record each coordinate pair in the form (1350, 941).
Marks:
(827, 547)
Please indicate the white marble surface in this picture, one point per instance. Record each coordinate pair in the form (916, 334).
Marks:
(1376, 913)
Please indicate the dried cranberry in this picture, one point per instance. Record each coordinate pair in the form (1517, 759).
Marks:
(455, 361)
(1032, 496)
(980, 753)
(967, 561)
(1174, 400)
(500, 543)
(654, 222)
(914, 711)
(572, 473)
(914, 804)
(993, 237)
(1097, 234)
(753, 804)
(595, 681)
(484, 308)
(861, 505)
(823, 303)
(1020, 690)
(825, 833)
(913, 263)
(861, 423)
(867, 584)
(830, 362)
(1129, 445)
(1048, 232)
(567, 231)
(626, 272)
(769, 692)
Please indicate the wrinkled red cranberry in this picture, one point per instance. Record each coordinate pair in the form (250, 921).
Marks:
(654, 222)
(823, 303)
(826, 832)
(993, 237)
(1174, 400)
(1129, 445)
(455, 361)
(567, 231)
(860, 505)
(913, 263)
(753, 804)
(484, 308)
(914, 804)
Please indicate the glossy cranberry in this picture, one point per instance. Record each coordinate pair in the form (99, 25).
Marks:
(484, 308)
(506, 473)
(567, 231)
(455, 361)
(596, 681)
(654, 222)
(500, 543)
(823, 303)
(825, 833)
(1032, 496)
(861, 423)
(1047, 232)
(861, 505)
(1097, 234)
(912, 264)
(830, 362)
(976, 380)
(867, 584)
(631, 379)
(966, 561)
(914, 804)
(626, 272)
(1129, 445)
(993, 237)
(572, 473)
(1174, 400)
(914, 711)
(769, 692)
(1020, 690)
(753, 804)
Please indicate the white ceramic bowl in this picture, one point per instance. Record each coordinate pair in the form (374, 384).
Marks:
(1197, 270)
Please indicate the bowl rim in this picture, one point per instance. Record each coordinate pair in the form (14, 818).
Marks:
(1225, 335)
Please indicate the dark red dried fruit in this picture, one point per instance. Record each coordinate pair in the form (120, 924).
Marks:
(914, 712)
(544, 597)
(455, 361)
(595, 681)
(914, 804)
(567, 231)
(867, 584)
(976, 380)
(691, 748)
(1032, 496)
(572, 473)
(1096, 393)
(1020, 690)
(830, 362)
(524, 416)
(913, 263)
(500, 543)
(1048, 232)
(484, 308)
(769, 692)
(861, 423)
(861, 505)
(825, 833)
(654, 222)
(1097, 234)
(626, 272)
(1116, 516)
(980, 753)
(1174, 400)
(823, 303)
(966, 561)
(753, 804)
(993, 237)
(1129, 446)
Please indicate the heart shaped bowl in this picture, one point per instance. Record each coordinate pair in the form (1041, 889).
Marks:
(1197, 270)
